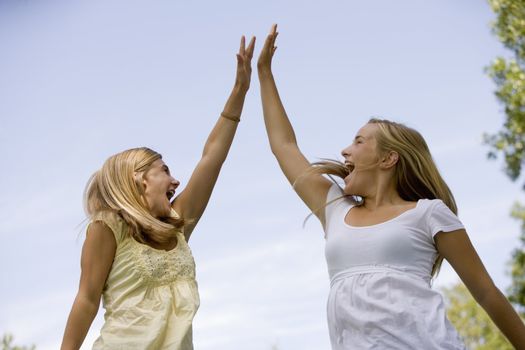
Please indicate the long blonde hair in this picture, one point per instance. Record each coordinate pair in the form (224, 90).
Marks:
(117, 187)
(416, 174)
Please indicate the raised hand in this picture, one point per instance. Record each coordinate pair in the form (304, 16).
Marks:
(264, 64)
(244, 64)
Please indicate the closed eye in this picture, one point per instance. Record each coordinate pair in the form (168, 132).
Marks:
(358, 139)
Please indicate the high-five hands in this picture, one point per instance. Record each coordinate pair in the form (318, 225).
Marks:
(244, 64)
(264, 64)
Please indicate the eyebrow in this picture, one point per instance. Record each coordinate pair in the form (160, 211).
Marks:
(359, 136)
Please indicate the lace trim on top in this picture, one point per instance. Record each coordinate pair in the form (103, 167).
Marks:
(161, 266)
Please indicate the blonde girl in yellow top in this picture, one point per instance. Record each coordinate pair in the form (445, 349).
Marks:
(135, 255)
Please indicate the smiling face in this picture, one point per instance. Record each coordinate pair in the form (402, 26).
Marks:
(362, 159)
(159, 189)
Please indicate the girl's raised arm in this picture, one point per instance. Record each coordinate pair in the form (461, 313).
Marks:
(312, 188)
(193, 200)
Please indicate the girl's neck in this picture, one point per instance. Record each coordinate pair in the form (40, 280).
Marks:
(382, 197)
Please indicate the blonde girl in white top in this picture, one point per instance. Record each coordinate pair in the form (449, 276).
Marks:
(135, 255)
(387, 231)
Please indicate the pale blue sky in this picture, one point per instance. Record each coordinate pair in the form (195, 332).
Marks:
(81, 80)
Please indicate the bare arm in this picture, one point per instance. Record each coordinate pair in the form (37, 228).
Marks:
(98, 253)
(193, 200)
(312, 188)
(458, 250)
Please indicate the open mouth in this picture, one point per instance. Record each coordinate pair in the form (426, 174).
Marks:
(170, 194)
(350, 167)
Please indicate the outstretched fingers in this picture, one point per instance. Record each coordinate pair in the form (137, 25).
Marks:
(269, 44)
(242, 48)
(265, 57)
(246, 53)
(272, 37)
(244, 59)
(251, 47)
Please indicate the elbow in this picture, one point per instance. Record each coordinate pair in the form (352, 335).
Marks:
(488, 294)
(89, 302)
(276, 150)
(283, 147)
(213, 162)
(214, 155)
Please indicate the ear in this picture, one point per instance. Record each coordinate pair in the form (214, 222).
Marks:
(139, 180)
(389, 160)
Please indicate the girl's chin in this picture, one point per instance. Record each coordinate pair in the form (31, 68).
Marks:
(167, 212)
(162, 213)
(348, 191)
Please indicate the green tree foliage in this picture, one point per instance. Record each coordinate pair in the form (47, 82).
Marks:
(509, 76)
(7, 344)
(472, 322)
(517, 289)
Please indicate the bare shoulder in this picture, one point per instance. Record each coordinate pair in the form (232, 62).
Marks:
(98, 253)
(100, 233)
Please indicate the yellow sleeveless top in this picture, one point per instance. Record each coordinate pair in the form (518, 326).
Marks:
(150, 295)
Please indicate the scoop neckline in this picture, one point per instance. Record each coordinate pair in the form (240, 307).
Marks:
(161, 251)
(380, 223)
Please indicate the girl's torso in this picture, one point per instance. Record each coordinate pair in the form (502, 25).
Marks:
(380, 294)
(150, 295)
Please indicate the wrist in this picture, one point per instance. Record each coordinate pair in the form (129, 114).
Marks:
(233, 117)
(264, 72)
(240, 89)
